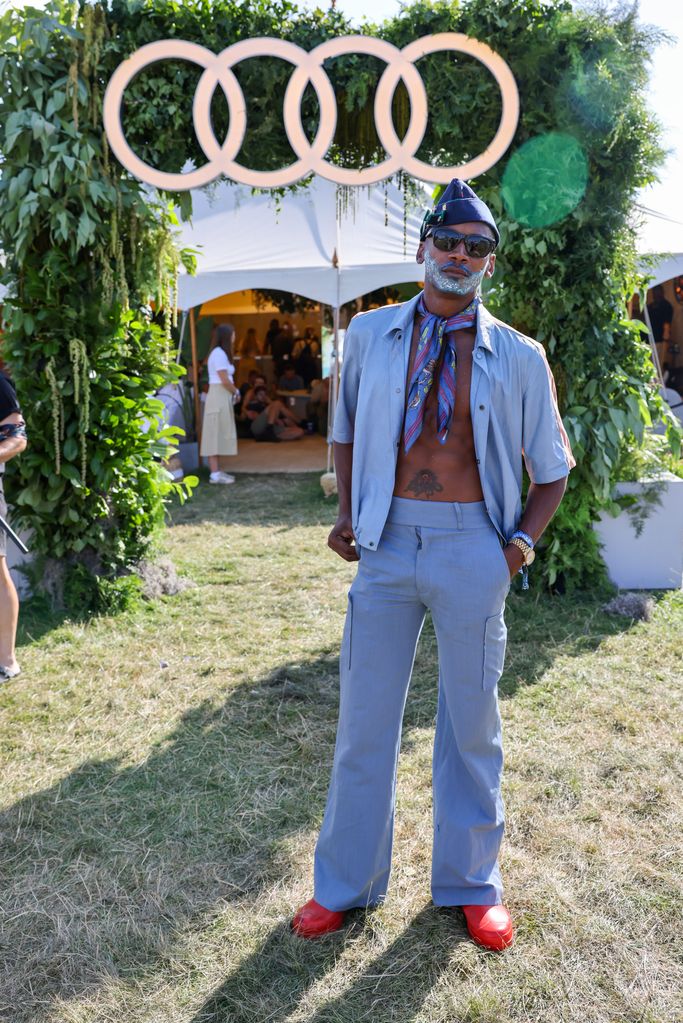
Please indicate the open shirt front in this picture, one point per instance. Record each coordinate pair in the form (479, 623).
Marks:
(513, 406)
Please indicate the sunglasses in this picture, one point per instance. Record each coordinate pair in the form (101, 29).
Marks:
(477, 246)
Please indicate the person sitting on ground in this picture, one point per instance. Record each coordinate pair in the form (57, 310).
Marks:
(250, 382)
(259, 381)
(242, 420)
(271, 420)
(290, 380)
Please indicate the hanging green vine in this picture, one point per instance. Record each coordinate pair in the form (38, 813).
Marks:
(80, 368)
(57, 409)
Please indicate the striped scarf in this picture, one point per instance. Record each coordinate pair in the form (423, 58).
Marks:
(433, 330)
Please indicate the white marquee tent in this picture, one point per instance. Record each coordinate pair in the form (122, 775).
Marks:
(328, 247)
(307, 242)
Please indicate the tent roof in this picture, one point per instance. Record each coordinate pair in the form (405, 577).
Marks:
(306, 242)
(661, 237)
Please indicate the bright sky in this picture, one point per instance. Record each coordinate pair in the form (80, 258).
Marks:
(666, 89)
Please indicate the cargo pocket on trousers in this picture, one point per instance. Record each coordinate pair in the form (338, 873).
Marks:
(495, 639)
(348, 633)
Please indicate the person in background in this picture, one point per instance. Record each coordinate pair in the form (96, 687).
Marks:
(249, 349)
(12, 442)
(312, 340)
(271, 420)
(272, 332)
(281, 347)
(244, 419)
(250, 344)
(290, 380)
(250, 383)
(306, 359)
(219, 433)
(661, 314)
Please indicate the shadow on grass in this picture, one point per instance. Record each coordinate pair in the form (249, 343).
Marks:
(37, 618)
(274, 979)
(101, 871)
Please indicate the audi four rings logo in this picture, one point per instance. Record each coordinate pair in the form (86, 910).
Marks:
(400, 64)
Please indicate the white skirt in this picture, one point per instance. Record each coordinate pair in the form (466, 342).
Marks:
(219, 434)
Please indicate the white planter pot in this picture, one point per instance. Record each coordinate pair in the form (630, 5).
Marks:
(653, 560)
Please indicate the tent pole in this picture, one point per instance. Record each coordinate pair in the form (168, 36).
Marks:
(182, 335)
(334, 378)
(195, 379)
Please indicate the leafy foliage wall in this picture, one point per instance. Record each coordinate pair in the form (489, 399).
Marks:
(85, 252)
(86, 247)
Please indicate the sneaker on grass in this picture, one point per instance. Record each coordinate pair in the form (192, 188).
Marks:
(221, 477)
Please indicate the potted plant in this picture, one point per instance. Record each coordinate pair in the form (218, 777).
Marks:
(641, 532)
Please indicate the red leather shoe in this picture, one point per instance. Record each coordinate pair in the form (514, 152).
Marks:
(312, 920)
(489, 926)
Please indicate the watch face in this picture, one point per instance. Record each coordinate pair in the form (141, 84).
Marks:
(530, 556)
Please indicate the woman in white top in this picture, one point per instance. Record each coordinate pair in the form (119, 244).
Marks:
(219, 435)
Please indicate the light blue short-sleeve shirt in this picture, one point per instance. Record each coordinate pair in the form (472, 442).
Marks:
(513, 405)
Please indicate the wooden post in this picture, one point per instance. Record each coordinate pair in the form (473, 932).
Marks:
(195, 384)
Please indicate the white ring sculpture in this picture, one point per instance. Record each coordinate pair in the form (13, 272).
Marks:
(309, 68)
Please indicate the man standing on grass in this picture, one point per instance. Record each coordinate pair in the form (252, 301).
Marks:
(439, 403)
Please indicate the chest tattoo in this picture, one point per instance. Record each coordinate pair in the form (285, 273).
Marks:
(425, 483)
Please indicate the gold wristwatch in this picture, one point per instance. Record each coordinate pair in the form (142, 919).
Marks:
(527, 550)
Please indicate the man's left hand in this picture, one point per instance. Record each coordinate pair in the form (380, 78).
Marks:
(514, 558)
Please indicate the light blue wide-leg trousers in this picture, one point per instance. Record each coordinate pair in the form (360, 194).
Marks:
(445, 557)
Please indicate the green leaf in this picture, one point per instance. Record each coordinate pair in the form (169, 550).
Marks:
(70, 449)
(71, 472)
(86, 230)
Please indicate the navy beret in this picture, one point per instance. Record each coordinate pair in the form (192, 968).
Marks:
(459, 204)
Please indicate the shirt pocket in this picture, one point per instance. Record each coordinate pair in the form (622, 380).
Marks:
(495, 641)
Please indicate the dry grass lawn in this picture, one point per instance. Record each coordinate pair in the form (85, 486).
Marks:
(164, 776)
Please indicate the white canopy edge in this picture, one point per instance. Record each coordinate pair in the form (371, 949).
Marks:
(668, 266)
(308, 243)
(329, 287)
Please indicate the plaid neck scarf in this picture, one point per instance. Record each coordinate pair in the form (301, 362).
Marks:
(433, 330)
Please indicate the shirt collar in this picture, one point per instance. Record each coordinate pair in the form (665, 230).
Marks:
(402, 324)
(485, 334)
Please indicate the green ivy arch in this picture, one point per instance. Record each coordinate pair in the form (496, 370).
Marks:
(87, 248)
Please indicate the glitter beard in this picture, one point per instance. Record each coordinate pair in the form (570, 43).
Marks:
(452, 285)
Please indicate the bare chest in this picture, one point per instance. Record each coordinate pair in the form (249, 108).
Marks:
(464, 346)
(430, 469)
